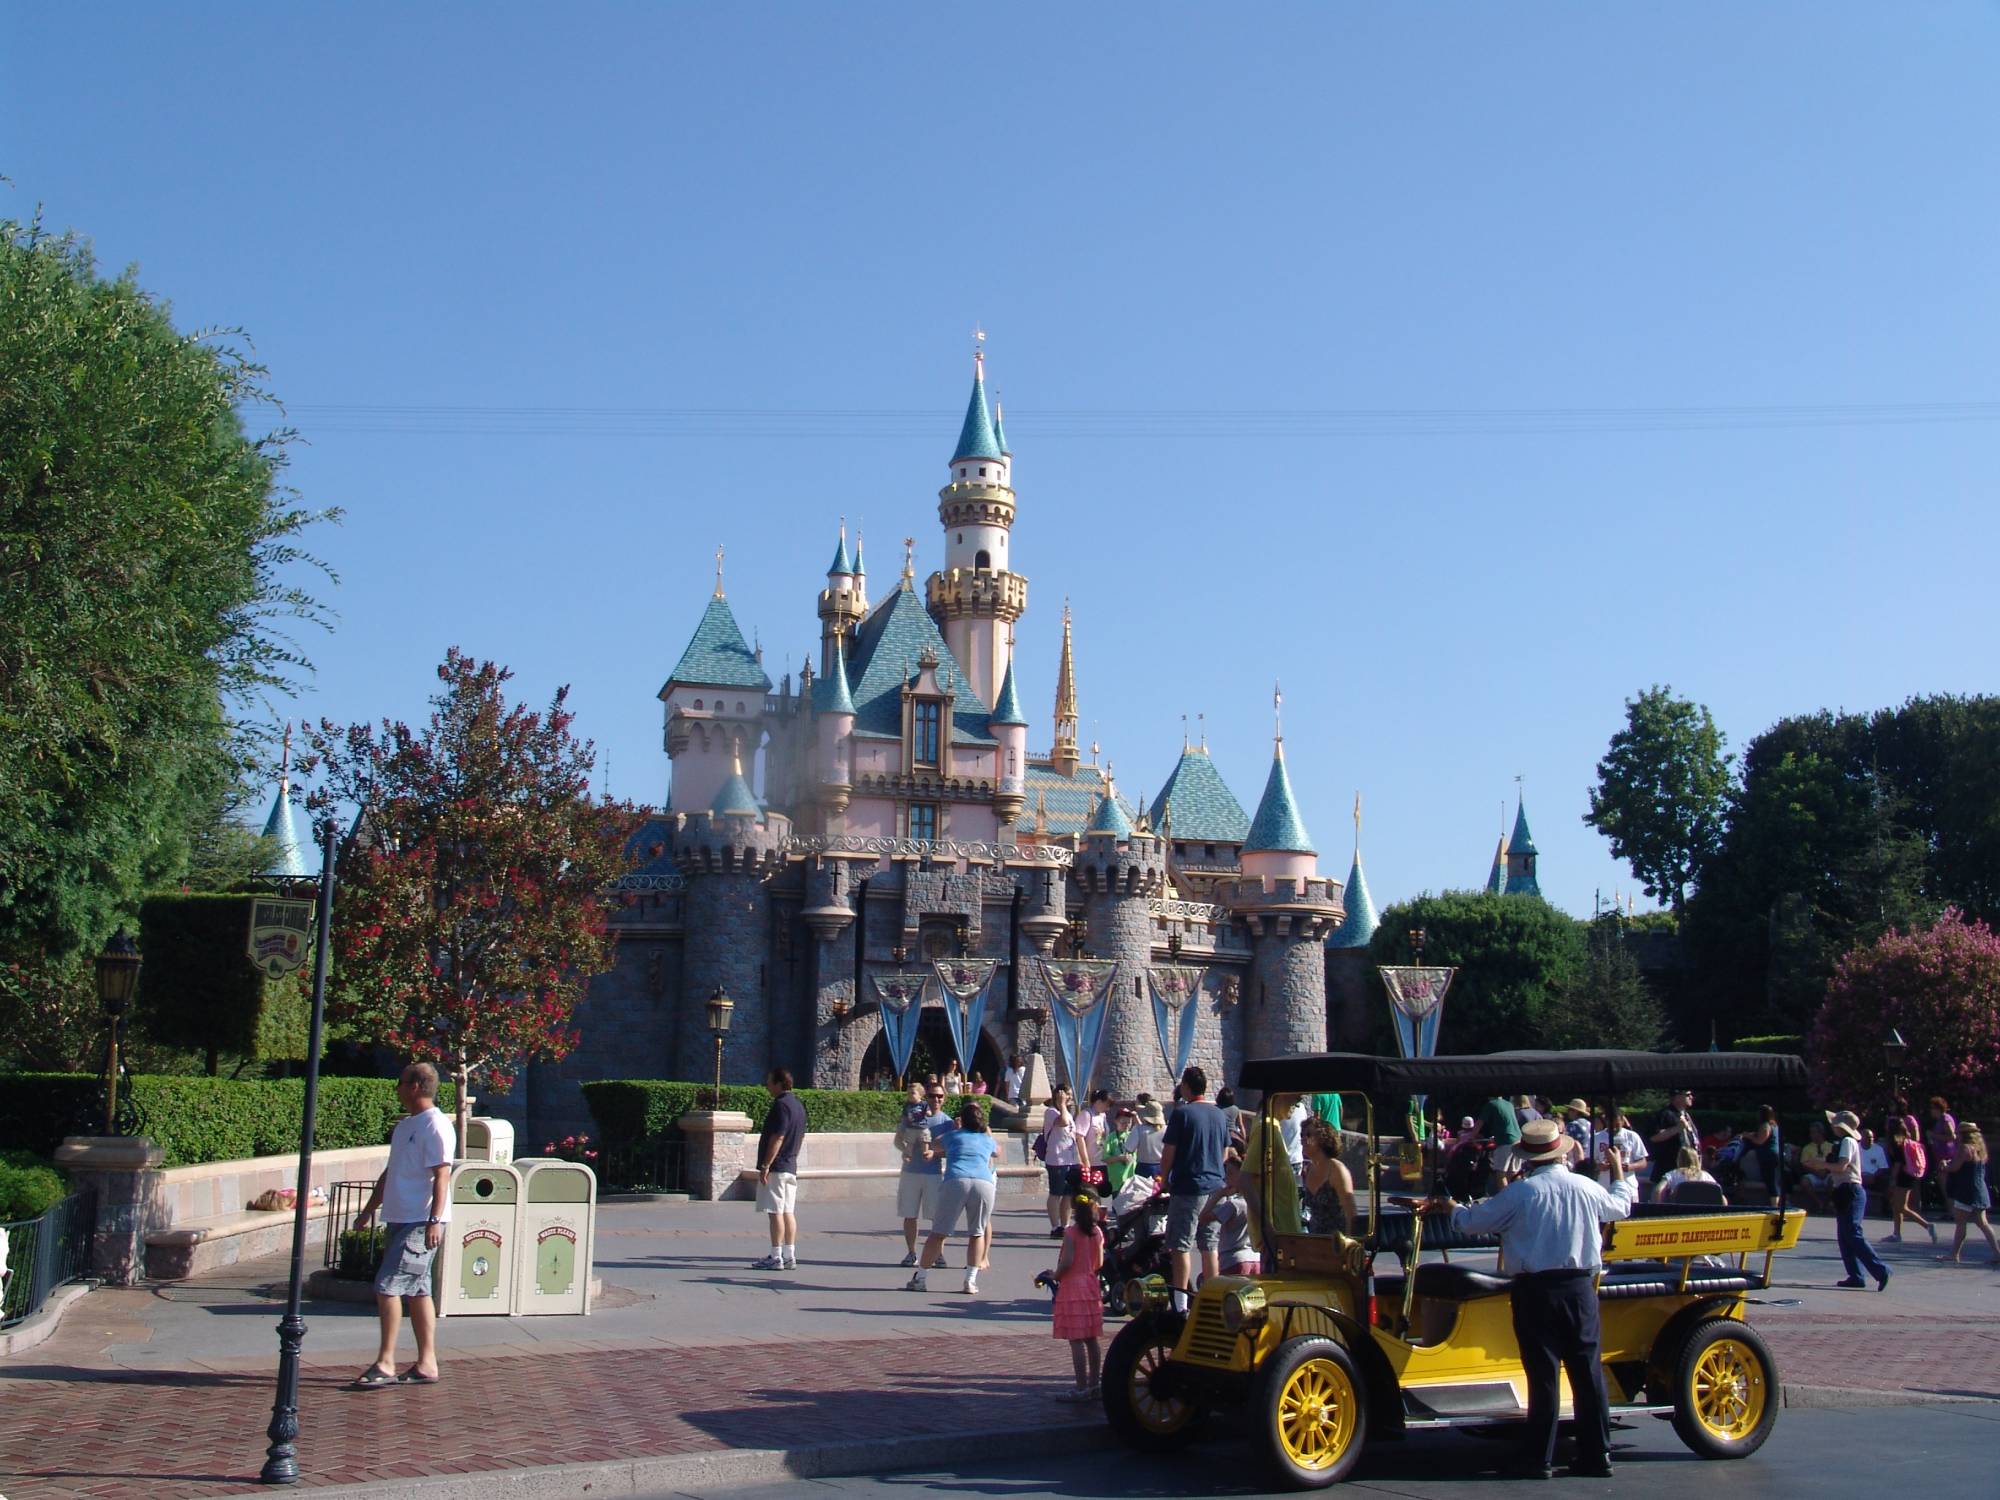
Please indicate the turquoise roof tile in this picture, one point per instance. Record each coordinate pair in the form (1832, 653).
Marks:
(736, 800)
(975, 438)
(1278, 828)
(1201, 805)
(841, 563)
(1008, 709)
(886, 651)
(1523, 842)
(1110, 818)
(1361, 920)
(1496, 879)
(718, 656)
(288, 858)
(830, 693)
(860, 568)
(999, 436)
(1069, 801)
(651, 845)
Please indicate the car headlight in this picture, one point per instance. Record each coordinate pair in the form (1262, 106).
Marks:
(1142, 1292)
(1243, 1307)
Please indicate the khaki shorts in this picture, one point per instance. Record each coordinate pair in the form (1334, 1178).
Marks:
(406, 1261)
(778, 1194)
(916, 1194)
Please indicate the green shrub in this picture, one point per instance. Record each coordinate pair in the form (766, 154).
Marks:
(637, 1109)
(196, 1120)
(28, 1186)
(199, 990)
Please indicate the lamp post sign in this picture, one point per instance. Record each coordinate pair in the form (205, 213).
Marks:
(280, 935)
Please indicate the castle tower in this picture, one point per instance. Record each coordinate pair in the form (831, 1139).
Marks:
(975, 597)
(1521, 856)
(833, 730)
(287, 854)
(1496, 878)
(1349, 975)
(1120, 871)
(714, 706)
(843, 603)
(1065, 756)
(1289, 911)
(1009, 726)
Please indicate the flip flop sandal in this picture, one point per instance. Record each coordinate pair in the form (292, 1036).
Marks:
(411, 1377)
(374, 1378)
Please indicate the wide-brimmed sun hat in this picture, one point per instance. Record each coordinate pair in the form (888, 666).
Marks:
(1541, 1140)
(1577, 1107)
(1844, 1122)
(1150, 1113)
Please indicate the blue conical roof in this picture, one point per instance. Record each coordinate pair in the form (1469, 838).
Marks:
(1008, 709)
(1360, 922)
(718, 656)
(999, 434)
(735, 800)
(830, 694)
(287, 857)
(1110, 817)
(975, 438)
(1199, 804)
(860, 568)
(1277, 827)
(1496, 879)
(1523, 842)
(841, 564)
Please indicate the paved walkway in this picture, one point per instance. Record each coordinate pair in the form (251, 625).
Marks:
(165, 1392)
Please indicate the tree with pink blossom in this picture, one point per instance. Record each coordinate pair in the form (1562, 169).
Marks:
(1939, 987)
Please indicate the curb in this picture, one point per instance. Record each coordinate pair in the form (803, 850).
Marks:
(1822, 1397)
(732, 1466)
(29, 1332)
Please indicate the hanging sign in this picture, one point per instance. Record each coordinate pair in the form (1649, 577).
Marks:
(1080, 997)
(966, 981)
(280, 935)
(1174, 989)
(1416, 997)
(901, 995)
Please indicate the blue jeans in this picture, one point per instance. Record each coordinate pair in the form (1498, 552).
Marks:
(1849, 1203)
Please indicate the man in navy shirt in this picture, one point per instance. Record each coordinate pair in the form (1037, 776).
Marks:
(777, 1171)
(1191, 1162)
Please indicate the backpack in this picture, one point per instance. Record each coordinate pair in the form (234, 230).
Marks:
(1041, 1147)
(1915, 1162)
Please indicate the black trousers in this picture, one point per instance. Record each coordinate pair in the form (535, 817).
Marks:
(1555, 1323)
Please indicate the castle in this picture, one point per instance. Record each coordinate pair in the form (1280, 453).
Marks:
(885, 808)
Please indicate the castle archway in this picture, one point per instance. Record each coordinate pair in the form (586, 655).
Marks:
(933, 1051)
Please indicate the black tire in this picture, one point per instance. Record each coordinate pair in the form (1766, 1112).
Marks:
(1310, 1412)
(1725, 1390)
(1140, 1413)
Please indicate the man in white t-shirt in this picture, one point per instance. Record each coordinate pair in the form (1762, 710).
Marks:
(413, 1193)
(1631, 1147)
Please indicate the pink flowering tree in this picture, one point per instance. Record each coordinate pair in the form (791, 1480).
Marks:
(1940, 987)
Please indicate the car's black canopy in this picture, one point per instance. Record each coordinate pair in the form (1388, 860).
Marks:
(1593, 1075)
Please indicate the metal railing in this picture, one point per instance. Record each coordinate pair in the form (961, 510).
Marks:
(352, 1255)
(658, 1165)
(45, 1253)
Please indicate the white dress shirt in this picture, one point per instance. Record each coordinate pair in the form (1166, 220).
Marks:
(1548, 1220)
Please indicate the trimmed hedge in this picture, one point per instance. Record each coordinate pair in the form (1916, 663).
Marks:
(28, 1186)
(199, 990)
(195, 1120)
(637, 1109)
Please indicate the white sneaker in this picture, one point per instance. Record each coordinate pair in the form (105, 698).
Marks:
(916, 1283)
(771, 1262)
(971, 1287)
(791, 1262)
(908, 1260)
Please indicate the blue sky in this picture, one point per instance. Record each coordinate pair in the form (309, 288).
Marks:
(1466, 367)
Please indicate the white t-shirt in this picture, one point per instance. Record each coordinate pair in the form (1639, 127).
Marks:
(1630, 1146)
(419, 1145)
(1145, 1143)
(1874, 1159)
(1295, 1146)
(1010, 1084)
(1060, 1133)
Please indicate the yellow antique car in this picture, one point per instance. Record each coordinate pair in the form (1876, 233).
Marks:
(1319, 1354)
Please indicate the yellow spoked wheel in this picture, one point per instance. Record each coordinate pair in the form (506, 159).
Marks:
(1725, 1390)
(1141, 1401)
(1312, 1410)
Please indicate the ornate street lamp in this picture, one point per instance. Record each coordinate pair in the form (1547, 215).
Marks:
(1079, 930)
(1173, 947)
(1894, 1052)
(720, 1009)
(1417, 947)
(117, 979)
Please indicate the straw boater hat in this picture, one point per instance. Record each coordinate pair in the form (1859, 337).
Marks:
(1541, 1140)
(1844, 1122)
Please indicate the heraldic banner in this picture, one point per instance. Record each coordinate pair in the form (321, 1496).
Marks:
(966, 982)
(1417, 999)
(901, 993)
(1174, 989)
(1080, 998)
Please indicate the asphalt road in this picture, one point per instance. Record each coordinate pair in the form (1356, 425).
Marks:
(1812, 1454)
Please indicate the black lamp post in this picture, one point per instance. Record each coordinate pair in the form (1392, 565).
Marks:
(1417, 946)
(1078, 929)
(117, 979)
(1894, 1051)
(720, 1009)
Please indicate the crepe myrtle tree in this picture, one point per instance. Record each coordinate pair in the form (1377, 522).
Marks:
(473, 898)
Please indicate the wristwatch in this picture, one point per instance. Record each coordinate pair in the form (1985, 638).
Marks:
(434, 1221)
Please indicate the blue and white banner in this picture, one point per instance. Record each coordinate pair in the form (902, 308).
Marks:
(1079, 1000)
(1416, 1000)
(966, 982)
(1175, 989)
(901, 994)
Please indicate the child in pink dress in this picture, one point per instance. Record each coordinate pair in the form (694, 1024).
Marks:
(1079, 1305)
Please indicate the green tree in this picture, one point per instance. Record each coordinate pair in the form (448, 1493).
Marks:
(1606, 1001)
(1662, 789)
(146, 546)
(1514, 955)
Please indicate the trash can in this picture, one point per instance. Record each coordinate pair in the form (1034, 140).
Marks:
(476, 1262)
(559, 1229)
(489, 1140)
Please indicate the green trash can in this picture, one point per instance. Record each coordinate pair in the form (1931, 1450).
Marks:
(558, 1229)
(476, 1264)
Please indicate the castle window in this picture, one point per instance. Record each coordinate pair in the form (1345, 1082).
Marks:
(982, 471)
(924, 723)
(1012, 768)
(983, 562)
(1208, 851)
(697, 704)
(923, 820)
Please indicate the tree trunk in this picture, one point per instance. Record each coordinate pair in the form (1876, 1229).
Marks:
(461, 1079)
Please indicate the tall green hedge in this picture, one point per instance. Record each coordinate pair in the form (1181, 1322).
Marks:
(198, 988)
(637, 1109)
(196, 1120)
(28, 1186)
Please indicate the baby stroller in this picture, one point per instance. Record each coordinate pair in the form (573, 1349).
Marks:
(1135, 1240)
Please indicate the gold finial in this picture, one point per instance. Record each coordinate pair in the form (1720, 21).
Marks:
(718, 570)
(909, 561)
(736, 753)
(285, 757)
(1357, 828)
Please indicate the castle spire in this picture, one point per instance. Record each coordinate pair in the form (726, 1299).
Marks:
(1277, 826)
(976, 438)
(1359, 919)
(842, 566)
(1066, 756)
(287, 855)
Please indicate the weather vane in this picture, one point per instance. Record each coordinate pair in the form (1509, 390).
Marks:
(718, 570)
